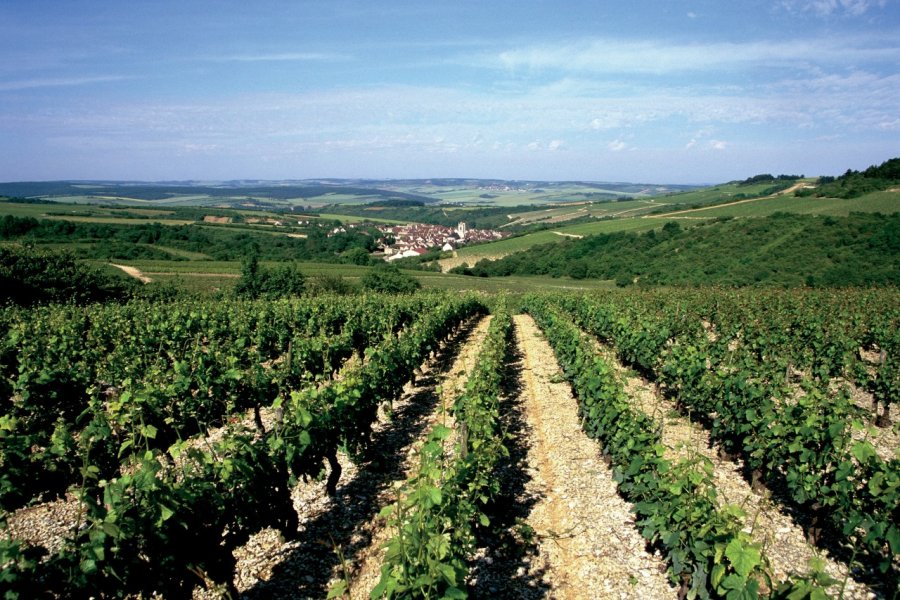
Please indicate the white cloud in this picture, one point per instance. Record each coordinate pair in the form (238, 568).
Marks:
(658, 57)
(27, 84)
(282, 57)
(698, 136)
(718, 144)
(617, 145)
(826, 8)
(555, 145)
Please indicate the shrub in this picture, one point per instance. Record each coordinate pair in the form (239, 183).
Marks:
(286, 280)
(29, 276)
(389, 279)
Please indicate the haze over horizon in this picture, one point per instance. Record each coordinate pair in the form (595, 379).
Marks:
(675, 92)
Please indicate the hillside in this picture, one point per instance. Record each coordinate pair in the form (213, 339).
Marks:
(778, 250)
(731, 200)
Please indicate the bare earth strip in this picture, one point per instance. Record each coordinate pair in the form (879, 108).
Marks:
(784, 541)
(133, 272)
(587, 546)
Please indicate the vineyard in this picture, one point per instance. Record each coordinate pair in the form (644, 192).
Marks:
(658, 444)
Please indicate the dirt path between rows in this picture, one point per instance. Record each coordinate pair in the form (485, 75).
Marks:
(133, 272)
(783, 540)
(585, 542)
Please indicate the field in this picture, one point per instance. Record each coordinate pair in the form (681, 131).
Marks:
(450, 445)
(209, 277)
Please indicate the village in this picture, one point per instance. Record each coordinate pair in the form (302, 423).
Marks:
(415, 239)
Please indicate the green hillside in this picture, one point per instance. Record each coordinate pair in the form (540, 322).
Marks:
(783, 249)
(695, 207)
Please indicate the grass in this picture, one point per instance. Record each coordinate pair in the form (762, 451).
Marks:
(558, 234)
(210, 276)
(92, 213)
(355, 219)
(717, 193)
(576, 210)
(116, 220)
(508, 284)
(883, 202)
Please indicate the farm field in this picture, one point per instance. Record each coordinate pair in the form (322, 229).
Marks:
(472, 254)
(201, 447)
(883, 202)
(321, 193)
(208, 277)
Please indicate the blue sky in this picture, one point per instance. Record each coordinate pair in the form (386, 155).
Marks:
(668, 91)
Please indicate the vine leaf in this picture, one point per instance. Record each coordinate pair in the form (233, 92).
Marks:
(743, 557)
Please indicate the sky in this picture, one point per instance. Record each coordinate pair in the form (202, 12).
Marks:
(667, 91)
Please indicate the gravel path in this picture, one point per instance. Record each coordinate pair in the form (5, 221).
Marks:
(578, 538)
(783, 540)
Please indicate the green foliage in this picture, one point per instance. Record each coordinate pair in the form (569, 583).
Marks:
(356, 256)
(440, 507)
(281, 282)
(159, 508)
(738, 368)
(766, 177)
(329, 284)
(29, 276)
(389, 279)
(782, 250)
(853, 184)
(221, 242)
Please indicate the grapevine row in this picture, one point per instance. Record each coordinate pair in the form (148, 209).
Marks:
(708, 554)
(112, 378)
(797, 437)
(159, 528)
(436, 514)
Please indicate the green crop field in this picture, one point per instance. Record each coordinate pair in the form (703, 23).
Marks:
(558, 234)
(883, 202)
(207, 276)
